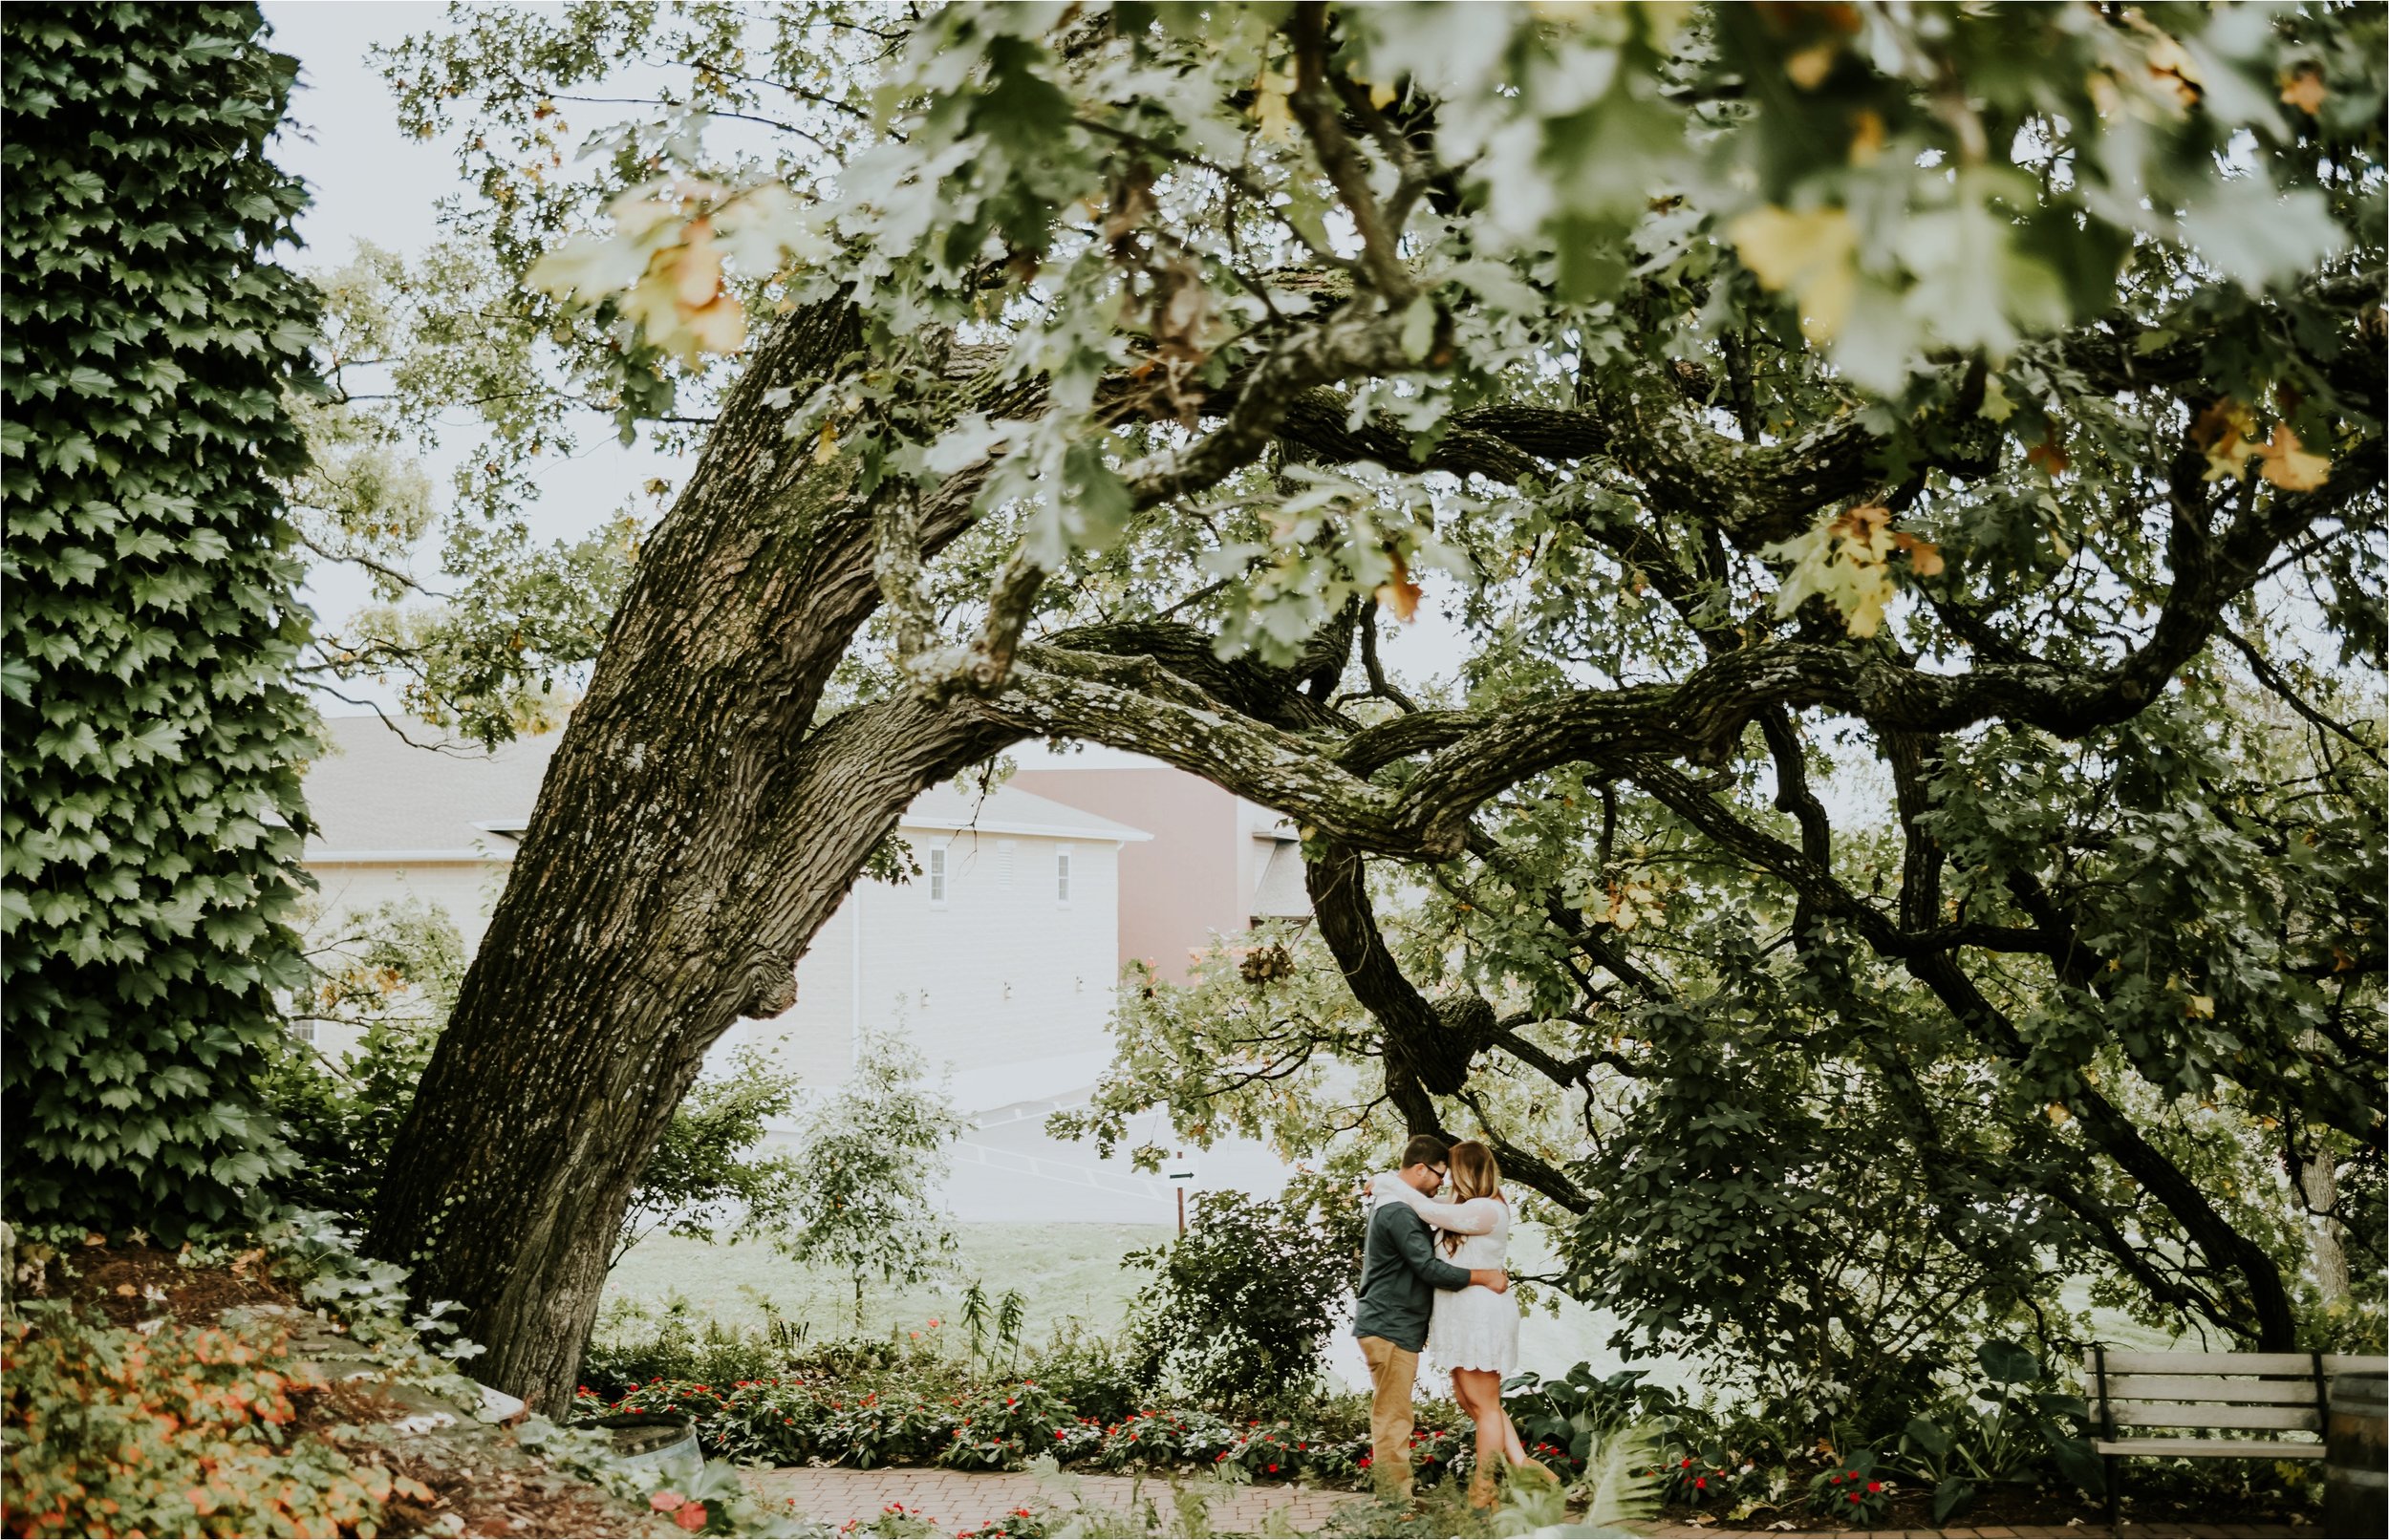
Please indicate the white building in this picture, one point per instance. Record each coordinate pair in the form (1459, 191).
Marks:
(999, 960)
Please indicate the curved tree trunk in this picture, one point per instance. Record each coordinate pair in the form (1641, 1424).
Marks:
(695, 830)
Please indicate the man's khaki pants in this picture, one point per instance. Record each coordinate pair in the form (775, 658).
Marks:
(1393, 1370)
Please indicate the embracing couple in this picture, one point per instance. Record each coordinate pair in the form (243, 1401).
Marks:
(1435, 1277)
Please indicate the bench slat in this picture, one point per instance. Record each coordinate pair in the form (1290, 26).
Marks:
(2208, 1387)
(2175, 1414)
(2271, 1363)
(2209, 1448)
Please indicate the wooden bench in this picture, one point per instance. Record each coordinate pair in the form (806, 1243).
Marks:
(2281, 1392)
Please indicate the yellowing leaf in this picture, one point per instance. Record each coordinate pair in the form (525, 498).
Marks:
(1843, 561)
(2288, 465)
(2058, 1112)
(1924, 556)
(696, 266)
(1398, 593)
(826, 445)
(1866, 137)
(2200, 1007)
(1808, 67)
(1380, 95)
(2172, 68)
(719, 327)
(2304, 90)
(2223, 432)
(2050, 454)
(1813, 255)
(1271, 89)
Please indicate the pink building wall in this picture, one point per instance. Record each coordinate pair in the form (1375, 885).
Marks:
(1186, 882)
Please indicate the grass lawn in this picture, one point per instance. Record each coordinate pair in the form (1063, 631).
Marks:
(1062, 1273)
(1072, 1272)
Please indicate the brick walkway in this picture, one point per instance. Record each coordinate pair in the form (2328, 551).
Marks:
(2079, 1532)
(960, 1500)
(966, 1500)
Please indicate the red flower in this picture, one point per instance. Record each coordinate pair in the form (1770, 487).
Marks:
(1874, 1487)
(1835, 1480)
(1684, 1464)
(691, 1517)
(1855, 1498)
(1701, 1482)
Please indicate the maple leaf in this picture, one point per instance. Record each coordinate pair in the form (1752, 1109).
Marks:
(1813, 255)
(2050, 454)
(2288, 465)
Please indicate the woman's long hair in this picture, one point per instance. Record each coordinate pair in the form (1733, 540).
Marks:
(1475, 1174)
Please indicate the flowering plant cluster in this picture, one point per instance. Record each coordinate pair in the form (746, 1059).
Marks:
(1711, 1476)
(1021, 1524)
(1001, 1426)
(1854, 1489)
(895, 1522)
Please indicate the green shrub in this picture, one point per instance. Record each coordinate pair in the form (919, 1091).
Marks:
(1090, 1373)
(634, 1345)
(398, 975)
(1240, 1305)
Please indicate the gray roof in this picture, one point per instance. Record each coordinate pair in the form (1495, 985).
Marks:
(1281, 893)
(376, 796)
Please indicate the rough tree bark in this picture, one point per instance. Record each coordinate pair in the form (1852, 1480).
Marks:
(696, 829)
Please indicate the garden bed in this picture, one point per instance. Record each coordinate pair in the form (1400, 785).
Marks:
(209, 1368)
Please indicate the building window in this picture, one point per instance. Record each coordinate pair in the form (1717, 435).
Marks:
(937, 876)
(1061, 876)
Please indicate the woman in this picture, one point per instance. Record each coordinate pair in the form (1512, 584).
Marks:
(1474, 1334)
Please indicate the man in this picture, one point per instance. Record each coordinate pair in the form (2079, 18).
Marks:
(1400, 1274)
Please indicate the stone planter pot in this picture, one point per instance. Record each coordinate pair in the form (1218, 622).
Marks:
(656, 1441)
(2356, 1459)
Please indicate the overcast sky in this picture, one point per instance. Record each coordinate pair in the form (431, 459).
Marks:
(371, 182)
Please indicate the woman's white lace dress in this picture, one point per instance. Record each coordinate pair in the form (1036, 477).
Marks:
(1472, 1328)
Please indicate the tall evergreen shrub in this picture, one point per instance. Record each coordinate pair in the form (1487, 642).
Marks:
(153, 734)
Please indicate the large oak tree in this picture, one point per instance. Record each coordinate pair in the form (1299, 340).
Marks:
(1991, 393)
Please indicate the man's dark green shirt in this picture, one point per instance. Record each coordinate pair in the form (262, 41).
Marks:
(1400, 1274)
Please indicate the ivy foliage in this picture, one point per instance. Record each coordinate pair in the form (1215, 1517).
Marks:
(154, 738)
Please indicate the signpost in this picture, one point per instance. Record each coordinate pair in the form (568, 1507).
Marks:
(1180, 1172)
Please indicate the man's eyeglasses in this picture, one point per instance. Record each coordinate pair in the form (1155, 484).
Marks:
(1443, 1172)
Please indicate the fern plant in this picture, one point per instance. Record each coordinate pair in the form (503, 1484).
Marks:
(1621, 1490)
